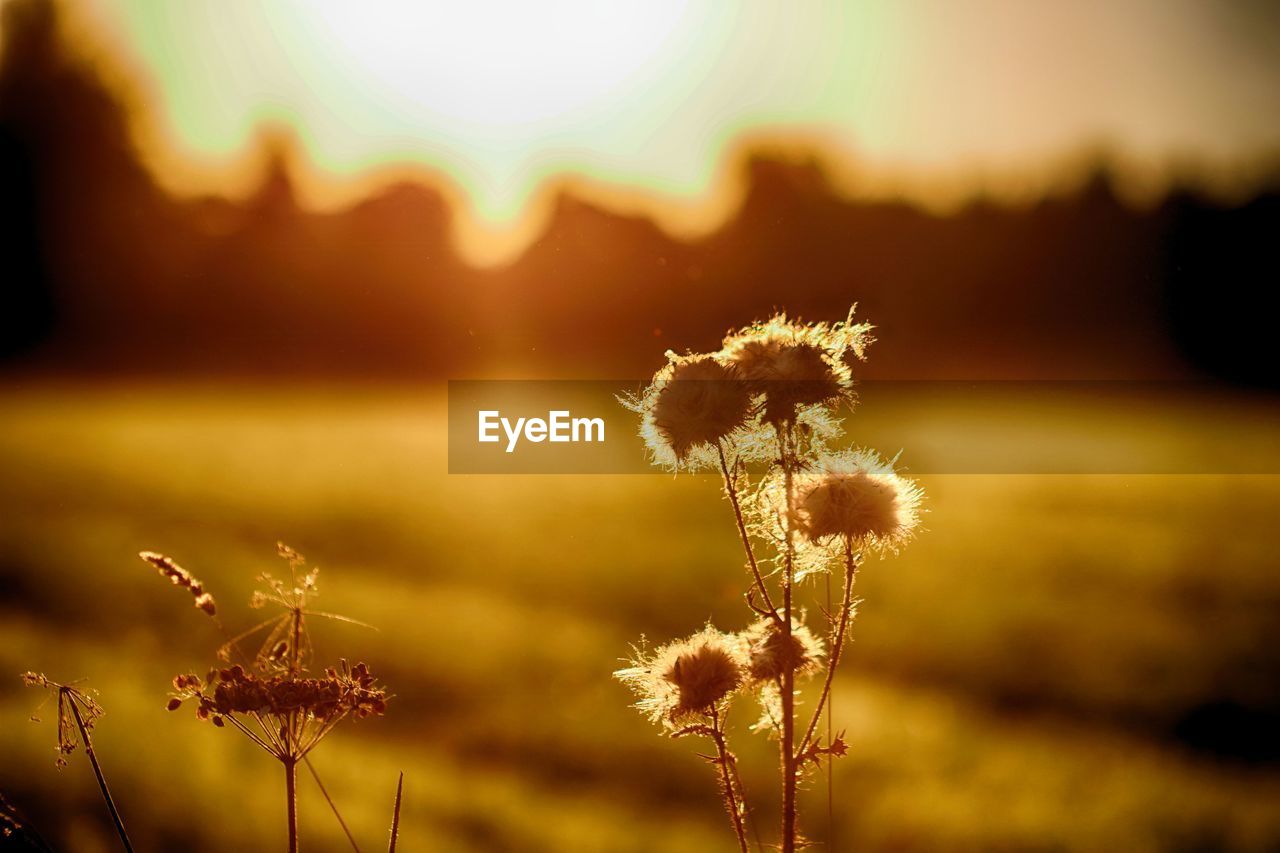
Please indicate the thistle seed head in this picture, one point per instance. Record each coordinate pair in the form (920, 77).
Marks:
(795, 365)
(687, 678)
(858, 497)
(696, 401)
(766, 650)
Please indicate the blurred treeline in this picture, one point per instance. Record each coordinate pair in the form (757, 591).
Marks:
(104, 271)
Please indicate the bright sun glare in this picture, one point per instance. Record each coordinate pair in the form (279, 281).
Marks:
(638, 101)
(498, 68)
(497, 95)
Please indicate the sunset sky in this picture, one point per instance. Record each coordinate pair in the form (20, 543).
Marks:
(643, 103)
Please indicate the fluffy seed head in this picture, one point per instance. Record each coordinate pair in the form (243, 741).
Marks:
(766, 649)
(794, 365)
(857, 496)
(787, 373)
(703, 676)
(694, 402)
(687, 678)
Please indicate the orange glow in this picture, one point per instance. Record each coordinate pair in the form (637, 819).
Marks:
(652, 109)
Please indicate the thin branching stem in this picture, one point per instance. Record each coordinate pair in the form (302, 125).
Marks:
(742, 792)
(786, 458)
(232, 644)
(837, 644)
(295, 645)
(249, 733)
(732, 490)
(730, 797)
(97, 769)
(831, 765)
(332, 805)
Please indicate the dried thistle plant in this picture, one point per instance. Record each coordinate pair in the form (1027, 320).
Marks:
(687, 686)
(271, 698)
(78, 710)
(764, 412)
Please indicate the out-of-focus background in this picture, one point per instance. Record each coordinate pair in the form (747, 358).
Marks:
(244, 245)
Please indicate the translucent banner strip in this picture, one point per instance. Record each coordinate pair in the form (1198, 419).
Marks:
(938, 427)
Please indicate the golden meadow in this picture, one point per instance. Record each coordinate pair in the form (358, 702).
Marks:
(1016, 676)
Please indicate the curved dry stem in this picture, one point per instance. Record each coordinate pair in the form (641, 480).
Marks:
(730, 797)
(732, 491)
(837, 644)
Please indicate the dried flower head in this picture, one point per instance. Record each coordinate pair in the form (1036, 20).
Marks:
(694, 405)
(292, 713)
(769, 655)
(794, 365)
(284, 640)
(693, 402)
(858, 497)
(179, 576)
(766, 513)
(687, 678)
(271, 699)
(73, 703)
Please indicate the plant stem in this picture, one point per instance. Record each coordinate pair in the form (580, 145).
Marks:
(831, 765)
(291, 799)
(332, 804)
(395, 815)
(788, 674)
(846, 606)
(295, 665)
(732, 491)
(97, 771)
(291, 744)
(730, 798)
(751, 816)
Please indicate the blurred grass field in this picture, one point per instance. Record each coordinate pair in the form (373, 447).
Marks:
(1060, 662)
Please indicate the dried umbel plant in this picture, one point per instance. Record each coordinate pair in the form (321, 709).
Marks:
(801, 510)
(77, 713)
(271, 698)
